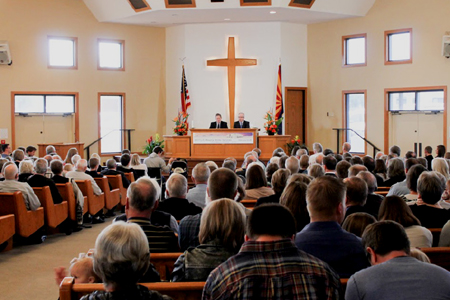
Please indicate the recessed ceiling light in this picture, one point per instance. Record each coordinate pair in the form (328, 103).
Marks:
(227, 19)
(273, 12)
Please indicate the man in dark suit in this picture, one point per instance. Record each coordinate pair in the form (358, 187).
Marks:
(219, 123)
(241, 123)
(112, 170)
(39, 180)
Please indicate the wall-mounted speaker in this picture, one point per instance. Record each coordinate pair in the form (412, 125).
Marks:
(446, 46)
(5, 53)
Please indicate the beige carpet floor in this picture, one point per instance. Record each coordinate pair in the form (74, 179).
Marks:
(26, 271)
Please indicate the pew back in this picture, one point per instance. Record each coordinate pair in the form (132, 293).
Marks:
(54, 214)
(164, 263)
(112, 197)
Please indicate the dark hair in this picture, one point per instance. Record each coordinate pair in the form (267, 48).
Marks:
(380, 166)
(410, 154)
(327, 152)
(395, 150)
(56, 166)
(338, 157)
(430, 186)
(281, 223)
(126, 151)
(369, 163)
(441, 150)
(93, 162)
(356, 160)
(294, 150)
(4, 146)
(218, 115)
(423, 161)
(395, 209)
(410, 162)
(255, 178)
(357, 222)
(330, 162)
(294, 198)
(270, 170)
(324, 195)
(386, 236)
(413, 175)
(282, 161)
(125, 159)
(429, 149)
(222, 183)
(342, 169)
(158, 150)
(447, 155)
(279, 180)
(30, 149)
(356, 190)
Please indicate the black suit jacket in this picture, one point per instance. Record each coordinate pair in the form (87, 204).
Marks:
(245, 124)
(222, 125)
(41, 181)
(60, 179)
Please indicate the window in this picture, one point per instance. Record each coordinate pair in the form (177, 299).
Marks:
(44, 104)
(62, 52)
(111, 55)
(112, 121)
(354, 50)
(355, 119)
(398, 45)
(421, 100)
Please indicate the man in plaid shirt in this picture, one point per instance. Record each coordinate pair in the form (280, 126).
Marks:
(270, 266)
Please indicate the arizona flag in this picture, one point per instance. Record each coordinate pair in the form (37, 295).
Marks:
(279, 108)
(185, 103)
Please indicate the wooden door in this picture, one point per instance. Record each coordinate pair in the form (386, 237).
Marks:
(295, 112)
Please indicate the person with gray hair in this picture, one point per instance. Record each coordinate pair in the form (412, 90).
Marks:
(301, 152)
(17, 156)
(241, 123)
(396, 172)
(373, 201)
(430, 187)
(50, 150)
(247, 161)
(355, 169)
(200, 175)
(39, 180)
(317, 149)
(26, 170)
(292, 165)
(176, 203)
(11, 185)
(121, 258)
(346, 147)
(111, 169)
(79, 174)
(229, 164)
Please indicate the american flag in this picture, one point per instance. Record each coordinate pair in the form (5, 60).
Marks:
(185, 103)
(279, 108)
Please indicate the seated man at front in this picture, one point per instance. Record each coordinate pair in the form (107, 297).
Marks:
(270, 266)
(394, 274)
(218, 123)
(241, 123)
(39, 180)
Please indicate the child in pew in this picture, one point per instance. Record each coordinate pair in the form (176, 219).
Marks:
(81, 269)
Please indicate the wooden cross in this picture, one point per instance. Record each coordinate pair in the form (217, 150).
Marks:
(231, 63)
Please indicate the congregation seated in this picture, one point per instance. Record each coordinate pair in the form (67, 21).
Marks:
(356, 196)
(25, 170)
(93, 168)
(430, 187)
(121, 258)
(394, 274)
(440, 165)
(380, 169)
(329, 165)
(50, 150)
(256, 182)
(269, 265)
(356, 169)
(247, 161)
(111, 169)
(373, 201)
(395, 172)
(125, 161)
(411, 183)
(200, 175)
(221, 236)
(17, 156)
(326, 207)
(294, 198)
(395, 209)
(136, 163)
(6, 151)
(176, 203)
(155, 160)
(315, 170)
(401, 188)
(304, 164)
(342, 168)
(39, 180)
(79, 174)
(222, 183)
(356, 223)
(279, 181)
(81, 269)
(270, 170)
(11, 185)
(30, 151)
(70, 154)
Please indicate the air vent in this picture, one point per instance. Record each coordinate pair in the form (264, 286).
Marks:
(302, 3)
(255, 2)
(179, 3)
(139, 5)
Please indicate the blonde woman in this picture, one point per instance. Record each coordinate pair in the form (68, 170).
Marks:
(136, 163)
(70, 154)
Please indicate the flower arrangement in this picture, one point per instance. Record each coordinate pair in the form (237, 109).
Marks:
(271, 126)
(294, 142)
(181, 124)
(152, 143)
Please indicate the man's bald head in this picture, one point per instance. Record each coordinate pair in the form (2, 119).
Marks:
(11, 172)
(81, 165)
(222, 183)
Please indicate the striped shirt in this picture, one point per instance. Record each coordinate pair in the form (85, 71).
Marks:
(160, 239)
(272, 270)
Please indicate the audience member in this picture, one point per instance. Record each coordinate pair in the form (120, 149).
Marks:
(326, 206)
(419, 255)
(410, 154)
(17, 156)
(137, 165)
(279, 180)
(294, 198)
(111, 169)
(306, 179)
(329, 165)
(395, 274)
(346, 147)
(411, 183)
(221, 236)
(39, 180)
(30, 152)
(267, 256)
(256, 183)
(440, 165)
(230, 164)
(247, 161)
(200, 175)
(6, 151)
(356, 223)
(356, 160)
(93, 168)
(373, 201)
(327, 152)
(70, 154)
(380, 168)
(356, 196)
(304, 164)
(79, 174)
(428, 151)
(26, 170)
(401, 188)
(317, 149)
(292, 164)
(11, 185)
(342, 168)
(395, 172)
(270, 170)
(124, 166)
(81, 269)
(395, 151)
(440, 151)
(423, 162)
(316, 171)
(50, 150)
(156, 160)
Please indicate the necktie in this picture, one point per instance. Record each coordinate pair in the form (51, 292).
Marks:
(241, 124)
(218, 125)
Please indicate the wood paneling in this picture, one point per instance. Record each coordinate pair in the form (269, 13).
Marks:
(295, 112)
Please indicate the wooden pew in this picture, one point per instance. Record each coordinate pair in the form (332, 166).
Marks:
(7, 230)
(116, 182)
(176, 290)
(164, 263)
(27, 221)
(382, 193)
(66, 191)
(383, 188)
(249, 203)
(130, 176)
(112, 197)
(95, 203)
(439, 256)
(54, 214)
(436, 232)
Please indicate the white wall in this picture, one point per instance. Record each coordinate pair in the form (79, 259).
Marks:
(255, 85)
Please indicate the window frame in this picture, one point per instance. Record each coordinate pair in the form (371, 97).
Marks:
(416, 93)
(45, 95)
(387, 34)
(344, 115)
(123, 95)
(345, 38)
(75, 52)
(122, 52)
